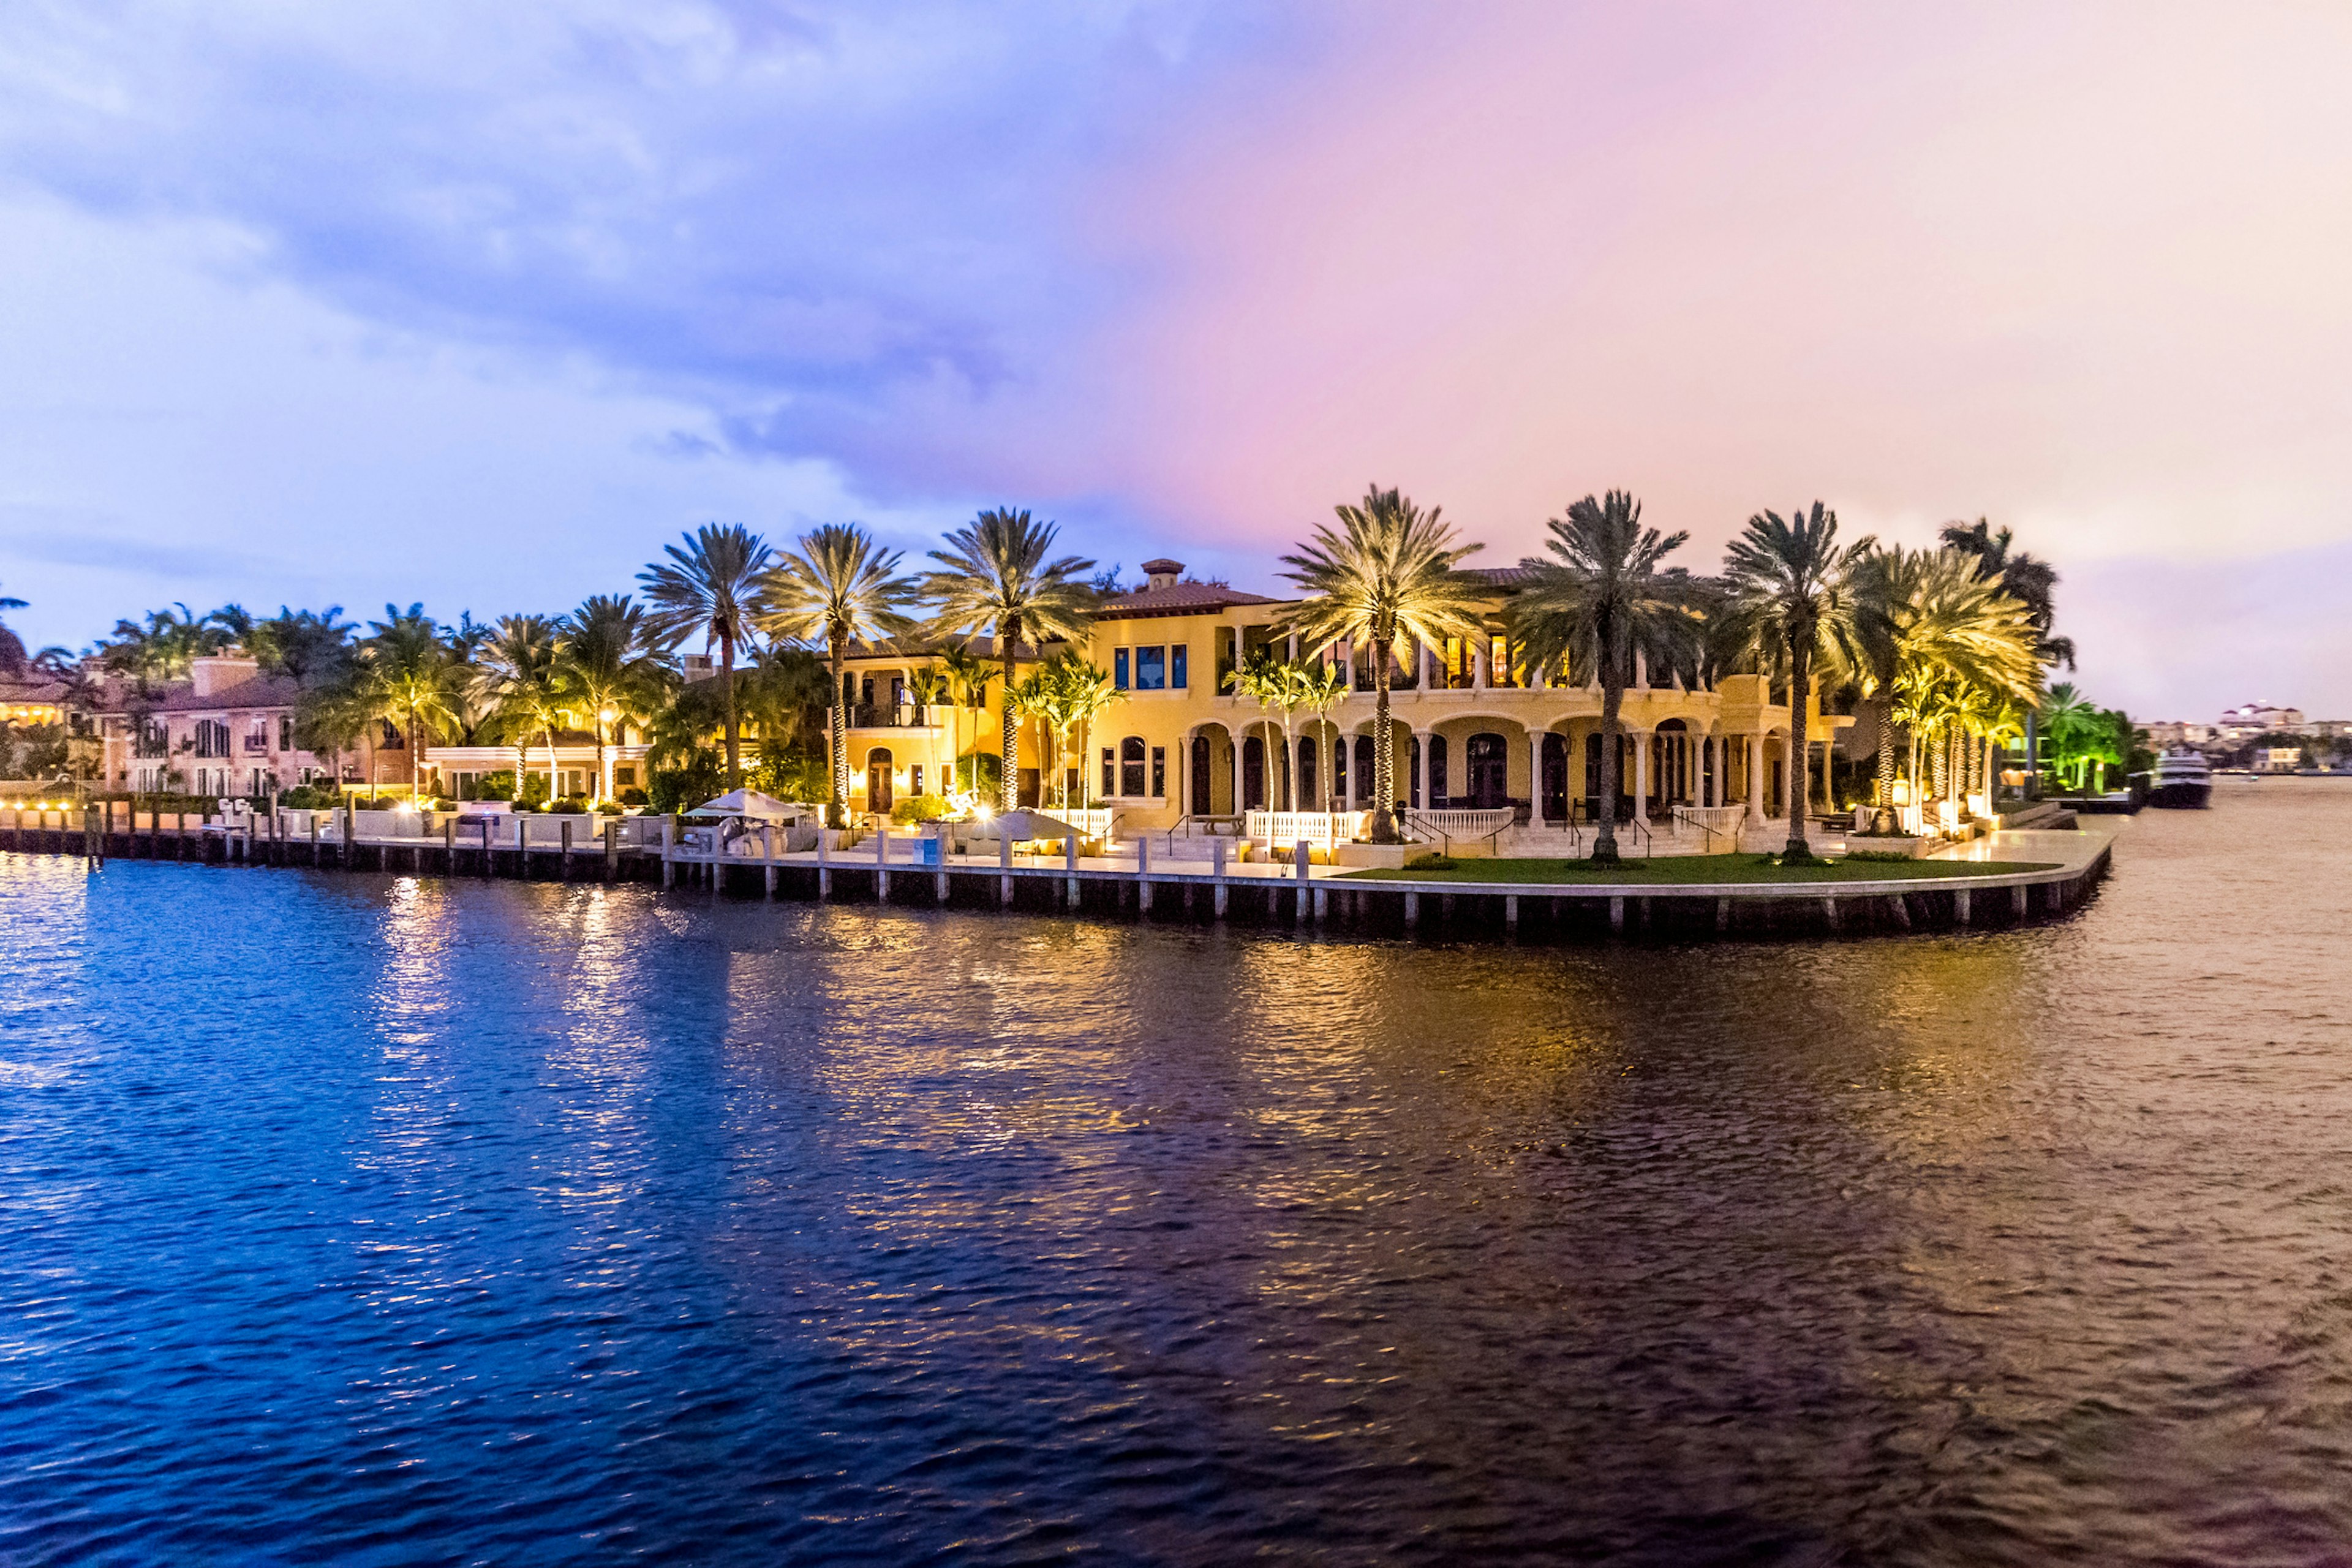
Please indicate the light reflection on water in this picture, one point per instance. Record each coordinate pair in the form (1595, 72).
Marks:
(390, 1220)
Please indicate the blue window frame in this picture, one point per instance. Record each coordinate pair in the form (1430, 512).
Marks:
(1118, 668)
(1176, 667)
(1152, 670)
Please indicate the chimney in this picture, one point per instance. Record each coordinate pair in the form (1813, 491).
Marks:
(1161, 573)
(219, 671)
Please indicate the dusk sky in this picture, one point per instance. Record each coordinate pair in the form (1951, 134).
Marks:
(482, 305)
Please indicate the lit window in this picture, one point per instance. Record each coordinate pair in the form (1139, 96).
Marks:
(1152, 670)
(1159, 772)
(1130, 766)
(1176, 662)
(1118, 668)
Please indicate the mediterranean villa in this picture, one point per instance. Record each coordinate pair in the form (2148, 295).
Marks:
(1474, 731)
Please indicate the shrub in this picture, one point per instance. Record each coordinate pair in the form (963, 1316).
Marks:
(610, 808)
(919, 809)
(635, 797)
(443, 802)
(492, 786)
(523, 807)
(569, 805)
(1429, 863)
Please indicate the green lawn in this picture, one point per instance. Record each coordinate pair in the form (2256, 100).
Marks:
(1684, 870)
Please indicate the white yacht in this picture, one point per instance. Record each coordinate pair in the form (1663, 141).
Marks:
(2182, 780)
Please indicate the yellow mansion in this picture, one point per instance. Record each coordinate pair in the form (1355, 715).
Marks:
(1474, 730)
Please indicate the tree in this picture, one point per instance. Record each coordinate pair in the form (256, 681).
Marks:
(1793, 592)
(161, 651)
(519, 675)
(405, 670)
(928, 686)
(1323, 684)
(605, 660)
(995, 577)
(836, 589)
(968, 676)
(716, 583)
(1082, 692)
(1384, 579)
(1600, 601)
(1260, 678)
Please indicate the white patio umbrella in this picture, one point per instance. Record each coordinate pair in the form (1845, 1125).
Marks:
(749, 803)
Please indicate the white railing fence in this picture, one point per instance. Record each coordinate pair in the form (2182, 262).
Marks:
(1277, 829)
(1468, 824)
(1714, 821)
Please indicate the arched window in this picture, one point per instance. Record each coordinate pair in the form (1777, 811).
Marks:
(1437, 793)
(1254, 773)
(1487, 766)
(878, 779)
(1200, 779)
(1130, 766)
(1555, 778)
(1364, 769)
(1307, 752)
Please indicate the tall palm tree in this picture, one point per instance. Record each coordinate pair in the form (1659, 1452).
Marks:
(605, 661)
(2029, 579)
(405, 666)
(1083, 692)
(929, 687)
(1794, 591)
(995, 577)
(969, 678)
(837, 588)
(520, 673)
(1600, 601)
(1384, 579)
(715, 584)
(1259, 678)
(1323, 684)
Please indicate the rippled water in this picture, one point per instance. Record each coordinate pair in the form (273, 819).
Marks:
(379, 1221)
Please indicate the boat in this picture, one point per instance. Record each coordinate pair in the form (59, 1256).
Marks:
(2183, 780)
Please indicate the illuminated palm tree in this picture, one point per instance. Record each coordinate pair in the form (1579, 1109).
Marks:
(929, 687)
(405, 669)
(1385, 579)
(969, 678)
(605, 661)
(519, 675)
(716, 583)
(835, 589)
(1322, 684)
(995, 577)
(1600, 601)
(1794, 595)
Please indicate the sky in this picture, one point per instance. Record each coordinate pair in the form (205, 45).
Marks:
(482, 305)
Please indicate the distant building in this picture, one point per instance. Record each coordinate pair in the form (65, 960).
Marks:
(2251, 719)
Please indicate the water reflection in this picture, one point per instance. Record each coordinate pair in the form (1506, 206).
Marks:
(727, 1231)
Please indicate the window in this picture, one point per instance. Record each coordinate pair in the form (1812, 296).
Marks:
(1161, 666)
(1159, 772)
(1152, 670)
(286, 731)
(1176, 663)
(1130, 766)
(915, 778)
(1118, 665)
(1109, 771)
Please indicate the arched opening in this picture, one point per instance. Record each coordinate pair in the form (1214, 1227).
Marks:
(1438, 800)
(878, 779)
(1131, 781)
(1308, 751)
(1364, 768)
(1671, 758)
(1487, 763)
(1555, 778)
(1254, 773)
(1340, 800)
(1202, 800)
(1592, 777)
(1413, 774)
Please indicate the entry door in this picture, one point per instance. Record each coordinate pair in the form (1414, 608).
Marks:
(1555, 778)
(1489, 777)
(877, 781)
(1254, 775)
(1200, 807)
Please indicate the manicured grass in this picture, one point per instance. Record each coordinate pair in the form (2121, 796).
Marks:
(1683, 870)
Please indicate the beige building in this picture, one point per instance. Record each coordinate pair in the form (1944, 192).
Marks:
(1475, 730)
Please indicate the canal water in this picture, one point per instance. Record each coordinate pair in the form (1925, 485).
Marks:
(377, 1220)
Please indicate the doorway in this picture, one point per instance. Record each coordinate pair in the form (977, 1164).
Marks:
(1489, 769)
(878, 779)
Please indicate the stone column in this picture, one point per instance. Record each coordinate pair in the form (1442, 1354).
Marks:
(1535, 778)
(1480, 656)
(1420, 792)
(1237, 740)
(1641, 791)
(1756, 777)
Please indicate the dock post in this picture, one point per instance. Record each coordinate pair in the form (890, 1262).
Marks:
(1300, 853)
(2020, 898)
(944, 837)
(1143, 876)
(1830, 912)
(1322, 905)
(1412, 910)
(522, 848)
(1217, 869)
(823, 867)
(767, 859)
(1960, 906)
(487, 848)
(1902, 910)
(314, 838)
(1617, 913)
(1070, 869)
(882, 863)
(1004, 868)
(613, 850)
(1511, 914)
(567, 851)
(448, 846)
(89, 838)
(1723, 913)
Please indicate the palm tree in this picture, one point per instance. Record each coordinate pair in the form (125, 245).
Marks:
(1031, 699)
(995, 577)
(1259, 677)
(1322, 684)
(1384, 579)
(928, 686)
(1083, 692)
(520, 677)
(405, 667)
(715, 584)
(969, 678)
(836, 589)
(1793, 587)
(2069, 719)
(1596, 604)
(2029, 579)
(605, 660)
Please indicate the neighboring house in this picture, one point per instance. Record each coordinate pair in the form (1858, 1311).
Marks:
(227, 730)
(2251, 719)
(1473, 730)
(26, 695)
(460, 769)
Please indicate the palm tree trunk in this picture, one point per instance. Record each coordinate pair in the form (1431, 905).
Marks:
(734, 748)
(1612, 704)
(1384, 827)
(1006, 782)
(837, 743)
(553, 793)
(604, 773)
(1886, 788)
(412, 755)
(1800, 691)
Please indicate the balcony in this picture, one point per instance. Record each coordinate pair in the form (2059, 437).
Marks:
(903, 716)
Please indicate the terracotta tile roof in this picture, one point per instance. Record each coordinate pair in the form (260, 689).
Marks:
(256, 691)
(1182, 599)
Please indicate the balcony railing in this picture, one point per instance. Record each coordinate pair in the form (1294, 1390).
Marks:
(902, 716)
